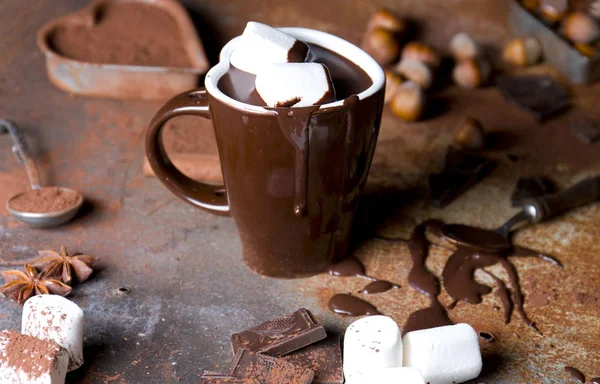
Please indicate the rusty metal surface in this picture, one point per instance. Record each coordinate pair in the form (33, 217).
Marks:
(560, 52)
(189, 290)
(123, 81)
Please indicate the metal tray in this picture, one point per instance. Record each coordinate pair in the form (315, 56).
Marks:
(558, 51)
(124, 81)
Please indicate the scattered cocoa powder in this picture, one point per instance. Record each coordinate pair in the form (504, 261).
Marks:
(126, 33)
(45, 200)
(29, 354)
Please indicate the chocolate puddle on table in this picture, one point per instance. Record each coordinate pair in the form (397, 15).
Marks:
(576, 373)
(458, 279)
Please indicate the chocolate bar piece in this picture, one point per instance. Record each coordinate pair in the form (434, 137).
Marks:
(586, 129)
(324, 357)
(530, 187)
(461, 171)
(267, 369)
(542, 96)
(281, 335)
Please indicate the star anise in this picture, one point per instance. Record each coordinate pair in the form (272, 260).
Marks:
(61, 266)
(21, 285)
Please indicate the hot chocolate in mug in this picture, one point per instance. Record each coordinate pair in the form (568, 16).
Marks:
(293, 176)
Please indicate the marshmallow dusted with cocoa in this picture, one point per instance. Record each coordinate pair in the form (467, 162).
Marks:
(444, 355)
(27, 359)
(295, 84)
(52, 317)
(397, 375)
(371, 343)
(261, 45)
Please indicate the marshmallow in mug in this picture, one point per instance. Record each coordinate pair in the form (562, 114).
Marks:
(295, 84)
(444, 355)
(52, 317)
(27, 359)
(261, 45)
(371, 343)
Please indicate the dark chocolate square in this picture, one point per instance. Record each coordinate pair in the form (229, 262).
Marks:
(267, 369)
(531, 187)
(586, 129)
(281, 335)
(540, 95)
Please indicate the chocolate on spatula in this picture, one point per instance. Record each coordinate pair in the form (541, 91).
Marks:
(281, 335)
(267, 369)
(542, 96)
(323, 357)
(461, 171)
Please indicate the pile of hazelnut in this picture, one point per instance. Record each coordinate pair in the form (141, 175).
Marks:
(410, 67)
(581, 28)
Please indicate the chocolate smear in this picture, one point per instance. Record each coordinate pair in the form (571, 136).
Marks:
(542, 96)
(267, 369)
(504, 295)
(425, 282)
(323, 357)
(531, 187)
(378, 286)
(281, 335)
(349, 305)
(461, 171)
(576, 373)
(350, 266)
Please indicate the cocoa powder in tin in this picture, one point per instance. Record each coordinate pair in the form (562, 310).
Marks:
(125, 33)
(45, 200)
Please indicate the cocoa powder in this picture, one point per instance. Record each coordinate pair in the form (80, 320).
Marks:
(45, 200)
(28, 354)
(126, 33)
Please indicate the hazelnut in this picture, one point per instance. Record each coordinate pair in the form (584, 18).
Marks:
(415, 71)
(392, 83)
(472, 73)
(531, 5)
(386, 19)
(554, 10)
(581, 28)
(595, 9)
(421, 52)
(523, 51)
(463, 47)
(586, 49)
(409, 102)
(470, 135)
(382, 45)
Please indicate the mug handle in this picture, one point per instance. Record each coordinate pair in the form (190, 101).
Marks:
(212, 198)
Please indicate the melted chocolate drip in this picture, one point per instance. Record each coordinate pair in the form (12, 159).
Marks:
(576, 373)
(378, 286)
(352, 306)
(350, 266)
(425, 282)
(298, 119)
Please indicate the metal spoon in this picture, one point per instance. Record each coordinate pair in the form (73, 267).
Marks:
(534, 210)
(22, 152)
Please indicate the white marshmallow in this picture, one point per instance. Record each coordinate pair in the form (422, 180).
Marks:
(22, 360)
(295, 84)
(52, 317)
(370, 344)
(444, 355)
(402, 375)
(261, 45)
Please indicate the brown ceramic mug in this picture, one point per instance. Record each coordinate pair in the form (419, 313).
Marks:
(292, 180)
